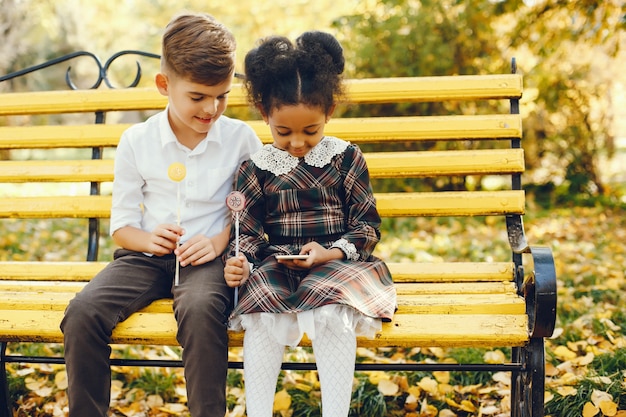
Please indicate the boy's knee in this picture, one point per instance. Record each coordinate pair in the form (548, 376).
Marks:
(202, 306)
(80, 317)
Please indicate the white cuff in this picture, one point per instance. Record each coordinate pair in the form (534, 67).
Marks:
(347, 248)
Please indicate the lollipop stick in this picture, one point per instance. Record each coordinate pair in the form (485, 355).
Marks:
(177, 274)
(236, 250)
(177, 171)
(236, 201)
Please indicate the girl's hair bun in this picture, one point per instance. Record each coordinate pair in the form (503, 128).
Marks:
(324, 46)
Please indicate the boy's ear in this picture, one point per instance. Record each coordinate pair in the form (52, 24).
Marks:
(162, 83)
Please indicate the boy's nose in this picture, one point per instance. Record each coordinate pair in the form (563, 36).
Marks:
(210, 106)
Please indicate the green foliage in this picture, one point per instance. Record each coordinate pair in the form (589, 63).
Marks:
(560, 48)
(469, 355)
(571, 405)
(160, 382)
(367, 400)
(17, 385)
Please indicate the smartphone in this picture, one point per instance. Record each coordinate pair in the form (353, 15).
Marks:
(292, 256)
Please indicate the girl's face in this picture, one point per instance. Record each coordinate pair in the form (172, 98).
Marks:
(297, 128)
(193, 108)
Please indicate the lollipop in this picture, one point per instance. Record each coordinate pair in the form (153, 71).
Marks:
(176, 171)
(236, 202)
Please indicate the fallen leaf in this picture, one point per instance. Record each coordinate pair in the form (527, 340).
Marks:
(494, 356)
(566, 390)
(608, 408)
(429, 385)
(443, 377)
(387, 387)
(590, 410)
(282, 401)
(598, 396)
(60, 380)
(563, 353)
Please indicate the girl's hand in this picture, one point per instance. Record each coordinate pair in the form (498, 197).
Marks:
(236, 271)
(317, 255)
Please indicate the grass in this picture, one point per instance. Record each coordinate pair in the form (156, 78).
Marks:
(586, 358)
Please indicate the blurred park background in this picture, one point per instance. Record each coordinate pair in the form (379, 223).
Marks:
(572, 55)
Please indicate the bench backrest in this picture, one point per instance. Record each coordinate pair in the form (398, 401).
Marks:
(473, 143)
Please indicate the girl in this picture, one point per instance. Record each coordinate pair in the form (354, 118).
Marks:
(306, 194)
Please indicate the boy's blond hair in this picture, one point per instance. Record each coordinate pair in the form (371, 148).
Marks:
(198, 48)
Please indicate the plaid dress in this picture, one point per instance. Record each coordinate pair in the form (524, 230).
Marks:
(324, 197)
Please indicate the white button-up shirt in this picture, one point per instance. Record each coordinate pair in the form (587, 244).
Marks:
(143, 194)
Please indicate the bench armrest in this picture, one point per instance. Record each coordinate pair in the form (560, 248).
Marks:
(539, 290)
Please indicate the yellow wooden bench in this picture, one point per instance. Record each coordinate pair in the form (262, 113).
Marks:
(447, 304)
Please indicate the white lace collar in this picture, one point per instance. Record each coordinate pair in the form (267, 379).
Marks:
(280, 162)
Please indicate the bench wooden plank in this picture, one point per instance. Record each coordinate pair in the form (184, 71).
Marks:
(461, 287)
(381, 165)
(440, 88)
(445, 163)
(380, 90)
(451, 271)
(413, 303)
(452, 330)
(440, 272)
(362, 130)
(99, 170)
(476, 203)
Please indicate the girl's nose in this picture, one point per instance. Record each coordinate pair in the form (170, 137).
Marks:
(297, 142)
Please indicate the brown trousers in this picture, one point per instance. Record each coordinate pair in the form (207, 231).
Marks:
(202, 302)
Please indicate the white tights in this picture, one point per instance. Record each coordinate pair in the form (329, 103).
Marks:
(334, 347)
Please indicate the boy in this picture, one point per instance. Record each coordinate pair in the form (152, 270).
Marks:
(197, 68)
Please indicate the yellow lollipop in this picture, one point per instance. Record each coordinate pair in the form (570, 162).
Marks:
(177, 171)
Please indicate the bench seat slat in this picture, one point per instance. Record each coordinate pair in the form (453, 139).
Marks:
(414, 303)
(361, 130)
(455, 330)
(451, 271)
(477, 203)
(441, 272)
(463, 287)
(380, 90)
(381, 165)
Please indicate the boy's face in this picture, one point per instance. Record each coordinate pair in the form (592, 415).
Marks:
(193, 108)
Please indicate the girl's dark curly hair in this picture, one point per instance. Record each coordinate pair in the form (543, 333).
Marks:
(279, 72)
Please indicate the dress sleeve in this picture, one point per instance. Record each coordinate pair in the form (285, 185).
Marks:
(362, 218)
(252, 241)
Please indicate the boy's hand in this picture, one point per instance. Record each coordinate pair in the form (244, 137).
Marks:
(196, 251)
(163, 239)
(236, 271)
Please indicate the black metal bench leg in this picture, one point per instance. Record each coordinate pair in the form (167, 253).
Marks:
(537, 369)
(528, 386)
(516, 383)
(5, 400)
